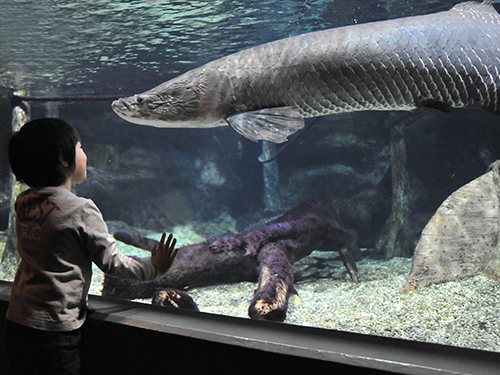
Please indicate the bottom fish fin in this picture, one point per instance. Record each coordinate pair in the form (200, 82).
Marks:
(436, 105)
(269, 124)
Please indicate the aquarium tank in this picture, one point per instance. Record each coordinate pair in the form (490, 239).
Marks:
(381, 222)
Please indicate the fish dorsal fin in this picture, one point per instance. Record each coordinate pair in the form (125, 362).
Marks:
(485, 6)
(268, 124)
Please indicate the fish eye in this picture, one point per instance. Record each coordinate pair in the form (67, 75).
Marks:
(139, 99)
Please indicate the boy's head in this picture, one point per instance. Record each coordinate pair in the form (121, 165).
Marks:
(37, 151)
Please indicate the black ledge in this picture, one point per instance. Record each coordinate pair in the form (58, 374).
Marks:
(130, 335)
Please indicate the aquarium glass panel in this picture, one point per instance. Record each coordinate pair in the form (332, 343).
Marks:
(379, 215)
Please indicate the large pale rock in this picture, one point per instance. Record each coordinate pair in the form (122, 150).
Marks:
(461, 239)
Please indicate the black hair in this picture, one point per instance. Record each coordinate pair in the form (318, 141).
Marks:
(35, 151)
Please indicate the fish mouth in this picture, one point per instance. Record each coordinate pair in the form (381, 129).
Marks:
(123, 106)
(129, 110)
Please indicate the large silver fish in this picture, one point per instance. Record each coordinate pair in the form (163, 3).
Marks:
(443, 60)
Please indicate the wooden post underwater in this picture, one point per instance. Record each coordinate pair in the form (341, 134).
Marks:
(10, 257)
(271, 175)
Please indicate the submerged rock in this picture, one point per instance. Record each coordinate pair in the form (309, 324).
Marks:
(461, 239)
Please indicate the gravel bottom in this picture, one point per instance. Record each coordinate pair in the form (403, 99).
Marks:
(463, 313)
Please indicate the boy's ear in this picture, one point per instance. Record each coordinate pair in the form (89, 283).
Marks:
(63, 162)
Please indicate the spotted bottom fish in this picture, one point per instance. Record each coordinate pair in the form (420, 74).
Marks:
(444, 60)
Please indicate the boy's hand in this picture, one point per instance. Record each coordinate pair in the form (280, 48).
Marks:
(163, 254)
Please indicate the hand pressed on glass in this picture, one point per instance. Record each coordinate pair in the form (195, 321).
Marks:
(164, 253)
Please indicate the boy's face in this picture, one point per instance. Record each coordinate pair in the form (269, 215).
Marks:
(80, 173)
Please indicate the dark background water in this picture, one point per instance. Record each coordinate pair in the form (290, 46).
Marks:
(158, 178)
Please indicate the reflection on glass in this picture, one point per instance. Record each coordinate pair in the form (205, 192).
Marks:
(352, 191)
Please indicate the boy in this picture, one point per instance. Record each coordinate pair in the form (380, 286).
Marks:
(59, 236)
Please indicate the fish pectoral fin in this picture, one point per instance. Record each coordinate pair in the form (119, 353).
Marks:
(269, 124)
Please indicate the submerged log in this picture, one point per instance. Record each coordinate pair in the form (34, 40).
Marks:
(270, 301)
(397, 238)
(195, 265)
(266, 251)
(277, 244)
(178, 299)
(265, 254)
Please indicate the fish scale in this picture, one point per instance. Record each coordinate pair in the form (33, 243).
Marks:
(349, 79)
(443, 60)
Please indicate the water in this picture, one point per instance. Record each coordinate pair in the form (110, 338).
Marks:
(108, 46)
(203, 184)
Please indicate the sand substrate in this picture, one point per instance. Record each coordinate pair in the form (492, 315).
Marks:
(463, 313)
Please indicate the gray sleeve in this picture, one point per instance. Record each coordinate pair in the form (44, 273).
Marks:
(104, 252)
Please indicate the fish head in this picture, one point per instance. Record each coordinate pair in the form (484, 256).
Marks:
(199, 98)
